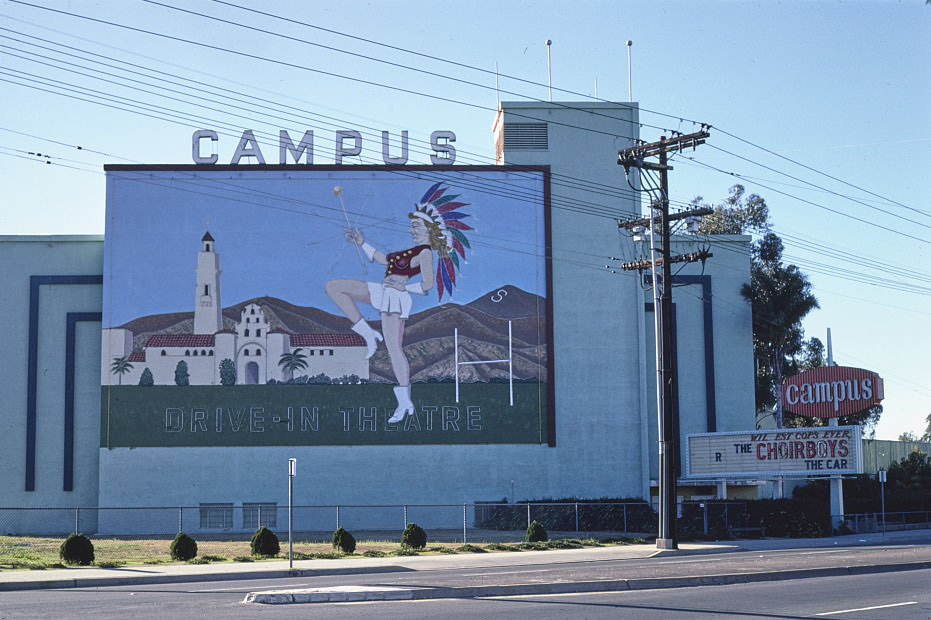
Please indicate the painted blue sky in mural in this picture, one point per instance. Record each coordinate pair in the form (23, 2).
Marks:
(280, 233)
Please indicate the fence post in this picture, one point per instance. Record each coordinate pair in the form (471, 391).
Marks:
(260, 515)
(727, 522)
(464, 521)
(576, 519)
(405, 516)
(180, 519)
(528, 515)
(77, 520)
(625, 518)
(337, 516)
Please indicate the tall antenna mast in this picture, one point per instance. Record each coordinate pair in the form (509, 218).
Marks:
(549, 73)
(630, 96)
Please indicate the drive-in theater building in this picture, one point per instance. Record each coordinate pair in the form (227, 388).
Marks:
(467, 345)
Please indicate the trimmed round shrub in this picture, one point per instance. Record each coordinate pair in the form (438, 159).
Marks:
(265, 543)
(536, 532)
(414, 537)
(183, 547)
(77, 549)
(345, 541)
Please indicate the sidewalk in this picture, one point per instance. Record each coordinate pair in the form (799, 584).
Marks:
(648, 568)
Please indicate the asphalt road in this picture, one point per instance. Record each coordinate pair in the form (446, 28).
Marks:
(782, 598)
(885, 596)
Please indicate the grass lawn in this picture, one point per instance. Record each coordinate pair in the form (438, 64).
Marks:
(37, 553)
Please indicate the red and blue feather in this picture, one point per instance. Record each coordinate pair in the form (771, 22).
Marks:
(454, 229)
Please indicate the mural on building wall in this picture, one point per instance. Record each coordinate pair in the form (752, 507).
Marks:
(366, 305)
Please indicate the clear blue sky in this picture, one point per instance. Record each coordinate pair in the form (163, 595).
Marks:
(843, 87)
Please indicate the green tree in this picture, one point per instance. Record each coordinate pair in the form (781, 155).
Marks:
(181, 374)
(120, 366)
(910, 436)
(736, 215)
(291, 361)
(927, 434)
(779, 294)
(781, 297)
(227, 372)
(146, 379)
(912, 473)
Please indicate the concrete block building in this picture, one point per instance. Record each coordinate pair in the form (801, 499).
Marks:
(602, 443)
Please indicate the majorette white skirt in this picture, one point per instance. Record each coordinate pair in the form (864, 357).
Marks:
(390, 300)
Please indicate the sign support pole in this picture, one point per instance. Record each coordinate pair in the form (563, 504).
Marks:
(837, 492)
(292, 469)
(882, 495)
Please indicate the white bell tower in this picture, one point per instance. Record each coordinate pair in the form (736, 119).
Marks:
(207, 310)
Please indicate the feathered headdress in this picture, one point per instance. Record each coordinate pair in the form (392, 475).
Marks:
(447, 233)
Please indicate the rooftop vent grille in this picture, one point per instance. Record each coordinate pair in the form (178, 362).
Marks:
(526, 136)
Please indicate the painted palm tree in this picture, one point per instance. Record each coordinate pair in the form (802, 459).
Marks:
(120, 366)
(295, 360)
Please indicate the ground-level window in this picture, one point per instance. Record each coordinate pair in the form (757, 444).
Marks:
(257, 514)
(216, 516)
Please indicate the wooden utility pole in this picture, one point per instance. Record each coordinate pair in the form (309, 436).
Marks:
(667, 418)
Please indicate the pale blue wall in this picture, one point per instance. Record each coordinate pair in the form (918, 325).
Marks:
(605, 417)
(21, 258)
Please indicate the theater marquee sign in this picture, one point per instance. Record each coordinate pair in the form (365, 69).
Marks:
(779, 452)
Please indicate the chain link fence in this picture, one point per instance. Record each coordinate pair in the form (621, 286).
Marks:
(229, 519)
(872, 522)
(30, 536)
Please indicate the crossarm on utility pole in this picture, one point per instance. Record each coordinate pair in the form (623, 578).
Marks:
(667, 419)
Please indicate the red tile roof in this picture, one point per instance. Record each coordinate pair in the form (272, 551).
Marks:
(297, 340)
(180, 340)
(327, 340)
(137, 356)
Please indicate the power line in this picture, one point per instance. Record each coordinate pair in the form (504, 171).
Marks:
(530, 82)
(579, 210)
(323, 72)
(825, 189)
(366, 81)
(816, 171)
(814, 204)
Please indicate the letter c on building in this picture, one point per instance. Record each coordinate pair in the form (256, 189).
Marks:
(195, 146)
(792, 394)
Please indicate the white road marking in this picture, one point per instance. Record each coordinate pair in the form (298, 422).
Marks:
(850, 611)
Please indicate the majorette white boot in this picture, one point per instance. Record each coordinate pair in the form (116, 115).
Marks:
(405, 404)
(371, 337)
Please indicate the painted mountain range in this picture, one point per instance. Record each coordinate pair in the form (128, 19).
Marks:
(428, 335)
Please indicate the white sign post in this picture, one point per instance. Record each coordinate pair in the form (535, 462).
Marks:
(882, 495)
(292, 470)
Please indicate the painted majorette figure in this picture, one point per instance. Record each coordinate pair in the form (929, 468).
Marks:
(435, 226)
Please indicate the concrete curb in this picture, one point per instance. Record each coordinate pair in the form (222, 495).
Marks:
(100, 582)
(344, 594)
